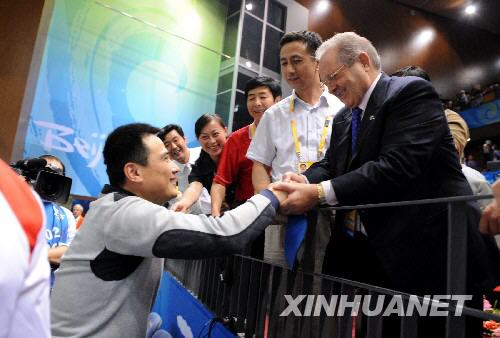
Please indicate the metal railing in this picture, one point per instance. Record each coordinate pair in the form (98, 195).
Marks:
(253, 291)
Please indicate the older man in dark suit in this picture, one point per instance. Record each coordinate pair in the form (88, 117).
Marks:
(390, 143)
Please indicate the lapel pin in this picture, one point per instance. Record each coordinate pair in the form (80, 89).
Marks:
(372, 117)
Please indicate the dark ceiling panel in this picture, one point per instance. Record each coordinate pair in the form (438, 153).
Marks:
(455, 55)
(487, 16)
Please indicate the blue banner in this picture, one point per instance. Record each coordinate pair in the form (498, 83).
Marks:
(182, 314)
(129, 61)
(483, 115)
(295, 232)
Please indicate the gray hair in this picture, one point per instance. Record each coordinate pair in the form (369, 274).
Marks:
(350, 45)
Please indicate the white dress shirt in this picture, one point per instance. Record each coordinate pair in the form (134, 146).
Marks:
(330, 197)
(203, 204)
(273, 144)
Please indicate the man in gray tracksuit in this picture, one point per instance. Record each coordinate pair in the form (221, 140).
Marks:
(108, 278)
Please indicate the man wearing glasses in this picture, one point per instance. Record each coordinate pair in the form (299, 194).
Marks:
(295, 132)
(390, 143)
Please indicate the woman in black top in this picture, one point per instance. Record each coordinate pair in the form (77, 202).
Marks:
(211, 133)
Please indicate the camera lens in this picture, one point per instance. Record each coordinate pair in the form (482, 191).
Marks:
(50, 189)
(53, 187)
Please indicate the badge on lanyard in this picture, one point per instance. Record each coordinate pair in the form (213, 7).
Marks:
(303, 166)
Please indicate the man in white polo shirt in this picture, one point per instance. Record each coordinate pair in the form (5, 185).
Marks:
(295, 132)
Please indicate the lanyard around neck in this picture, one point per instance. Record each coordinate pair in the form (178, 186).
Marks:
(324, 132)
(252, 130)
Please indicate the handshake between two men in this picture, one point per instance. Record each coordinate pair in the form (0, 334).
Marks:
(296, 194)
(301, 197)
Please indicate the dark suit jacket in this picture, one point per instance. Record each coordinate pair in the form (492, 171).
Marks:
(405, 152)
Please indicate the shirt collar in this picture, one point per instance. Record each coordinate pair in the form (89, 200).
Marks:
(180, 165)
(108, 188)
(193, 155)
(366, 97)
(323, 99)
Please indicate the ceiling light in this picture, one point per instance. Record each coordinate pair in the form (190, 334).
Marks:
(424, 38)
(249, 6)
(248, 64)
(322, 5)
(470, 9)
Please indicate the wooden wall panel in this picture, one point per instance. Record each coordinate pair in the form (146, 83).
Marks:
(19, 21)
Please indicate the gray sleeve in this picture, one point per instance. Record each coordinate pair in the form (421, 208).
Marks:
(145, 229)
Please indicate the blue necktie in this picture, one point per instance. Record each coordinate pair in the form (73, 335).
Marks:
(355, 124)
(351, 215)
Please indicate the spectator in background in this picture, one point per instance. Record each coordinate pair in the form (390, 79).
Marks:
(463, 100)
(77, 211)
(234, 167)
(184, 157)
(412, 71)
(471, 162)
(211, 132)
(25, 271)
(496, 152)
(61, 224)
(460, 133)
(487, 151)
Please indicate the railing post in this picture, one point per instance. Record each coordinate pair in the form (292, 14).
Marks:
(409, 325)
(456, 264)
(345, 321)
(374, 323)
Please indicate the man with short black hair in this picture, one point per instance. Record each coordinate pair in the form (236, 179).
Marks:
(295, 132)
(108, 279)
(184, 157)
(234, 167)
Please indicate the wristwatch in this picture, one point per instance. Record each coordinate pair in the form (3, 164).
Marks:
(321, 193)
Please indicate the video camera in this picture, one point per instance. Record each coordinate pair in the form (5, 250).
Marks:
(47, 182)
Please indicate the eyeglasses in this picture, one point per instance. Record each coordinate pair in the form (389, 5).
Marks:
(333, 76)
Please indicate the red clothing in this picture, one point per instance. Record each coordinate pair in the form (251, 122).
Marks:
(234, 166)
(24, 285)
(79, 221)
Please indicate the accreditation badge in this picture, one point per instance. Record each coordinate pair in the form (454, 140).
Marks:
(303, 166)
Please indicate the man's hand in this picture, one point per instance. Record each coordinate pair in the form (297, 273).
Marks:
(55, 254)
(490, 219)
(290, 176)
(180, 206)
(301, 197)
(280, 195)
